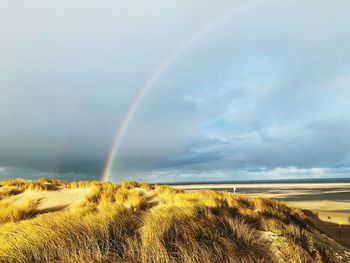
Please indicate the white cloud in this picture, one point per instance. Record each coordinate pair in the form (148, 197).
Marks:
(278, 173)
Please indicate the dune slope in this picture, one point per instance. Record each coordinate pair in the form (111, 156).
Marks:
(133, 222)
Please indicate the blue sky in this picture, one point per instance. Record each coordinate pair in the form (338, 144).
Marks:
(260, 92)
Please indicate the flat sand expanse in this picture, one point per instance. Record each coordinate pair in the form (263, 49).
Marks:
(324, 203)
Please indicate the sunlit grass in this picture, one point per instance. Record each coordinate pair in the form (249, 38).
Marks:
(16, 212)
(9, 191)
(137, 222)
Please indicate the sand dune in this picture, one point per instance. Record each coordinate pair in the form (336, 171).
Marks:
(148, 220)
(53, 200)
(325, 203)
(330, 202)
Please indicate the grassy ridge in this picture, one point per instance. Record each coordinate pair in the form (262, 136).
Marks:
(133, 222)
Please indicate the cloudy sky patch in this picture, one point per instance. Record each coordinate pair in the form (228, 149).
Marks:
(262, 94)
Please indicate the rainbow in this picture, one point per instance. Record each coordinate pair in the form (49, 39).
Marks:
(161, 69)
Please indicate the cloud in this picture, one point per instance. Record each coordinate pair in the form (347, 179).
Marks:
(278, 173)
(268, 88)
(31, 174)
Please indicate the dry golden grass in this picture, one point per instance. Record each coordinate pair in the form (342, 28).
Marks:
(136, 222)
(9, 191)
(14, 213)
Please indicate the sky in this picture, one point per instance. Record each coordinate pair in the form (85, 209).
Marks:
(169, 91)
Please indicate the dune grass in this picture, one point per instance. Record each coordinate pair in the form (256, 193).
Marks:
(9, 191)
(136, 222)
(14, 213)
